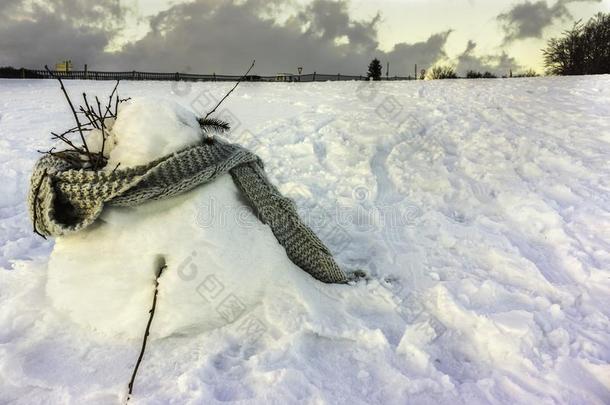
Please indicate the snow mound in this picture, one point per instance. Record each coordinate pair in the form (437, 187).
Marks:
(103, 277)
(146, 128)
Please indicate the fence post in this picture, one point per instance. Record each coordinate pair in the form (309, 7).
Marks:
(314, 76)
(214, 74)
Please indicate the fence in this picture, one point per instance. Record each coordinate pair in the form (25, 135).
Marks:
(134, 75)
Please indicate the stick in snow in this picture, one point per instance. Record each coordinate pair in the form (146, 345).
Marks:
(230, 91)
(162, 266)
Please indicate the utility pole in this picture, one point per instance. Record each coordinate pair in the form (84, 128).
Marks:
(415, 72)
(387, 70)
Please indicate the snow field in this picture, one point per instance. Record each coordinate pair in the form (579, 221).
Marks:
(479, 208)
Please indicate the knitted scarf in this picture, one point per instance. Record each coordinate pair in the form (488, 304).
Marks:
(64, 198)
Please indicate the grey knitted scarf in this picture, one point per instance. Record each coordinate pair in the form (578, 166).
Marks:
(64, 198)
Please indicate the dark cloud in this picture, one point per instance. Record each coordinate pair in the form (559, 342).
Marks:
(498, 64)
(528, 20)
(330, 21)
(224, 36)
(38, 33)
(9, 6)
(102, 14)
(424, 53)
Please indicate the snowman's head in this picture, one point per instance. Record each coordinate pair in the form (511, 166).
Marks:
(147, 129)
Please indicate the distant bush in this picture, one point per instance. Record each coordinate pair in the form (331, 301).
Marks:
(527, 73)
(582, 50)
(471, 74)
(441, 72)
(9, 72)
(375, 69)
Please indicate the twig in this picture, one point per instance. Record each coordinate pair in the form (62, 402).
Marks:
(230, 91)
(102, 121)
(89, 116)
(116, 107)
(146, 332)
(89, 110)
(74, 129)
(46, 152)
(109, 105)
(63, 138)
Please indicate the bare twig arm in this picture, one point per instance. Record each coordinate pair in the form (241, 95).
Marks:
(103, 123)
(78, 124)
(230, 91)
(147, 331)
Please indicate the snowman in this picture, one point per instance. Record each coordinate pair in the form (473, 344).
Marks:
(199, 245)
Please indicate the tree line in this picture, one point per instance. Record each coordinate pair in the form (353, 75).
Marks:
(446, 72)
(582, 50)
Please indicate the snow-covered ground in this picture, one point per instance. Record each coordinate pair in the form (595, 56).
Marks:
(480, 209)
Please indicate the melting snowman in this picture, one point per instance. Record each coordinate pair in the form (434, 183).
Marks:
(219, 259)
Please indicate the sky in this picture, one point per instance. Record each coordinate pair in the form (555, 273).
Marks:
(326, 36)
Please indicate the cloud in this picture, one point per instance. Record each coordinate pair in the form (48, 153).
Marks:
(425, 53)
(498, 64)
(9, 5)
(45, 32)
(209, 36)
(528, 20)
(330, 20)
